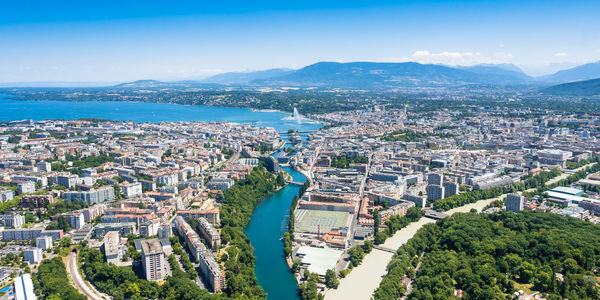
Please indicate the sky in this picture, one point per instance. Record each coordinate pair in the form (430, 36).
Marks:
(116, 41)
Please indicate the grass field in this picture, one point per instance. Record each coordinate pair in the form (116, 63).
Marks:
(312, 221)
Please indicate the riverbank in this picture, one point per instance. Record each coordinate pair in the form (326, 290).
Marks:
(268, 224)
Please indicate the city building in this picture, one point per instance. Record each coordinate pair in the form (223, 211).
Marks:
(43, 242)
(111, 246)
(132, 190)
(93, 196)
(210, 234)
(36, 201)
(44, 166)
(211, 271)
(192, 240)
(12, 220)
(435, 179)
(514, 202)
(554, 157)
(164, 231)
(26, 187)
(220, 183)
(30, 234)
(435, 192)
(75, 219)
(33, 255)
(24, 288)
(67, 181)
(153, 260)
(6, 195)
(124, 229)
(450, 189)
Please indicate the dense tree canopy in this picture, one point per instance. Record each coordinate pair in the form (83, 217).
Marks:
(51, 281)
(487, 255)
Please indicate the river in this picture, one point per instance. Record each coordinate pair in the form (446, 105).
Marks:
(268, 224)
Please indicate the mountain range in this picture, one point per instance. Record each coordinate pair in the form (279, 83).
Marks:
(578, 73)
(376, 75)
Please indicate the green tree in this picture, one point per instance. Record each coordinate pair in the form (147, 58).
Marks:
(331, 280)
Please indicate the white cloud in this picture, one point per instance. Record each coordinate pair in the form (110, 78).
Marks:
(561, 54)
(454, 58)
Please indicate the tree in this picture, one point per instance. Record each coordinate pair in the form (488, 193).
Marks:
(65, 242)
(62, 224)
(306, 274)
(331, 280)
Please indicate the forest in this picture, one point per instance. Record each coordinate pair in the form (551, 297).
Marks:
(492, 256)
(52, 281)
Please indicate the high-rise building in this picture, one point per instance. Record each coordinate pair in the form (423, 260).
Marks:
(450, 189)
(164, 231)
(33, 255)
(514, 202)
(43, 242)
(435, 179)
(76, 219)
(435, 192)
(111, 246)
(153, 260)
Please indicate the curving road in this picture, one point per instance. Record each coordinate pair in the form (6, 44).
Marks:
(78, 281)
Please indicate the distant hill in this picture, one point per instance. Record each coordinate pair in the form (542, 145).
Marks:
(245, 77)
(582, 72)
(502, 73)
(579, 88)
(373, 75)
(155, 84)
(144, 84)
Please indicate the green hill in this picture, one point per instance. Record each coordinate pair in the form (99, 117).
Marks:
(578, 88)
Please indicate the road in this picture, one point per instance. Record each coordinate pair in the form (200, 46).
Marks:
(364, 180)
(80, 284)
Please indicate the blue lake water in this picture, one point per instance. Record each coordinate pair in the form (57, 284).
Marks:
(270, 219)
(11, 110)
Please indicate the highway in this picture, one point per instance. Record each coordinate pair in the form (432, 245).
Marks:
(78, 281)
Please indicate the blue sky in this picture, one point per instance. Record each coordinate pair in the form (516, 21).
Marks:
(128, 40)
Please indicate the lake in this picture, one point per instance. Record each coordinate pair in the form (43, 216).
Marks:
(11, 110)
